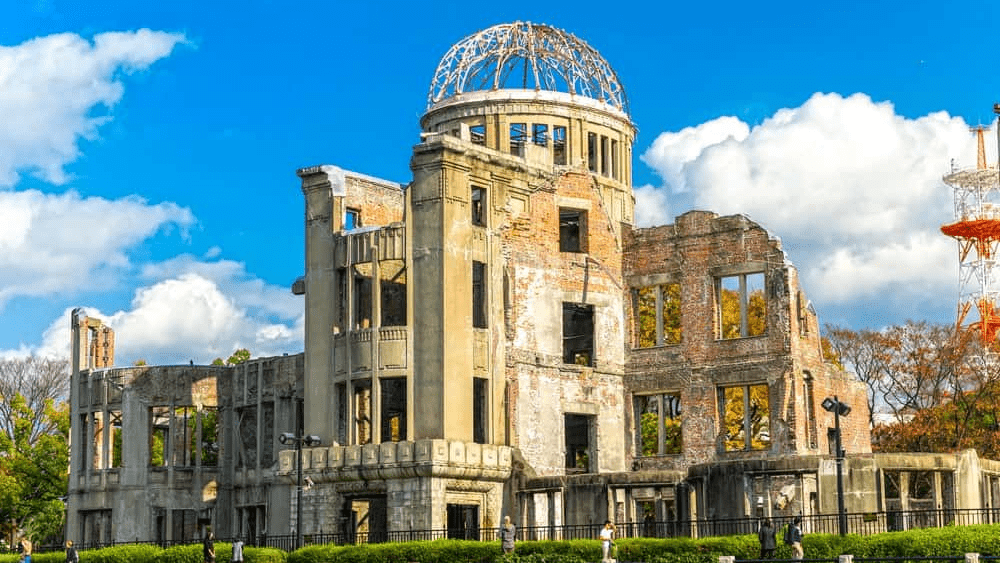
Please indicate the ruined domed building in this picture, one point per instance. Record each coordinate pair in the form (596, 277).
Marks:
(496, 337)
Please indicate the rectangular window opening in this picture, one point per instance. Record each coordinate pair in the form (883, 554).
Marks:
(747, 417)
(362, 412)
(342, 413)
(159, 436)
(540, 134)
(657, 315)
(592, 152)
(614, 160)
(480, 409)
(352, 218)
(559, 145)
(477, 134)
(116, 438)
(478, 200)
(578, 334)
(577, 429)
(658, 418)
(518, 138)
(393, 292)
(572, 230)
(362, 307)
(479, 301)
(209, 442)
(742, 306)
(463, 521)
(605, 153)
(810, 411)
(393, 403)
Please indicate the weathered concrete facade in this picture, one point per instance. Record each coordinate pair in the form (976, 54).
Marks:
(160, 452)
(497, 337)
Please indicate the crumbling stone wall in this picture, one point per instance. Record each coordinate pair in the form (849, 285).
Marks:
(695, 251)
(541, 278)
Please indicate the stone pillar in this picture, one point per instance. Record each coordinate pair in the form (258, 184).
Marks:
(319, 186)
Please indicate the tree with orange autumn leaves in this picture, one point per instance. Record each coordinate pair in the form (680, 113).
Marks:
(932, 379)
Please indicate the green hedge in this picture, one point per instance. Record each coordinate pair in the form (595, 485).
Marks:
(948, 541)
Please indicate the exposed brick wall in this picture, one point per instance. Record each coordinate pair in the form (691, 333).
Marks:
(693, 251)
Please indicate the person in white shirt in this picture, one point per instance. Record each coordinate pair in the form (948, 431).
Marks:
(607, 540)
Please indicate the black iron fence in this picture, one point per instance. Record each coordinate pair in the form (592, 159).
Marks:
(866, 523)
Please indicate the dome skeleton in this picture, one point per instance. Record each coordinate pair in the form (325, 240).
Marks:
(548, 59)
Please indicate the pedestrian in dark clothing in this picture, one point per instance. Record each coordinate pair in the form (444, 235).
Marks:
(767, 541)
(71, 555)
(208, 548)
(795, 538)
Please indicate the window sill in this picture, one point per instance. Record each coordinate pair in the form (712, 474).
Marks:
(658, 346)
(741, 338)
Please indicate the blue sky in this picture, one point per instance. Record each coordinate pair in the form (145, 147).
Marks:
(148, 150)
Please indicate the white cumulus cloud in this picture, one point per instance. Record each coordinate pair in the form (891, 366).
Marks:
(63, 243)
(57, 89)
(853, 189)
(182, 319)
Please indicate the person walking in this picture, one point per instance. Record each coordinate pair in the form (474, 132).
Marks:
(208, 547)
(767, 541)
(237, 551)
(793, 537)
(507, 535)
(25, 550)
(607, 538)
(71, 555)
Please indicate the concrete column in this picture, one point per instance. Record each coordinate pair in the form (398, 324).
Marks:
(319, 186)
(376, 324)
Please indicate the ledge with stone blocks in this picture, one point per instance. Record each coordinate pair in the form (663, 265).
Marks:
(400, 460)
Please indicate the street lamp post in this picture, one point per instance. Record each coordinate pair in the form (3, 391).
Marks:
(838, 409)
(298, 439)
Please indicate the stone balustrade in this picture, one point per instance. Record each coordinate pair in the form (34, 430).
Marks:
(394, 460)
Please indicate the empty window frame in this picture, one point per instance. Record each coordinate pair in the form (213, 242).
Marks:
(658, 424)
(559, 144)
(540, 134)
(342, 412)
(159, 436)
(209, 442)
(592, 150)
(480, 409)
(115, 428)
(742, 307)
(577, 428)
(810, 410)
(614, 160)
(605, 152)
(518, 138)
(362, 412)
(393, 292)
(479, 310)
(657, 315)
(477, 134)
(746, 415)
(393, 402)
(362, 306)
(572, 230)
(352, 218)
(478, 199)
(578, 334)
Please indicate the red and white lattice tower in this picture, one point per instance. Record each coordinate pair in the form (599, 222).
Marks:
(977, 229)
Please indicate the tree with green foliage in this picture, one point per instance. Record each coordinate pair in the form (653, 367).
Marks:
(238, 357)
(33, 470)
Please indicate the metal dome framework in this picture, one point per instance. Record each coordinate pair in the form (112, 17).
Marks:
(527, 56)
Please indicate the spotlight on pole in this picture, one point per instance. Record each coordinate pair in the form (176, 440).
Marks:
(838, 409)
